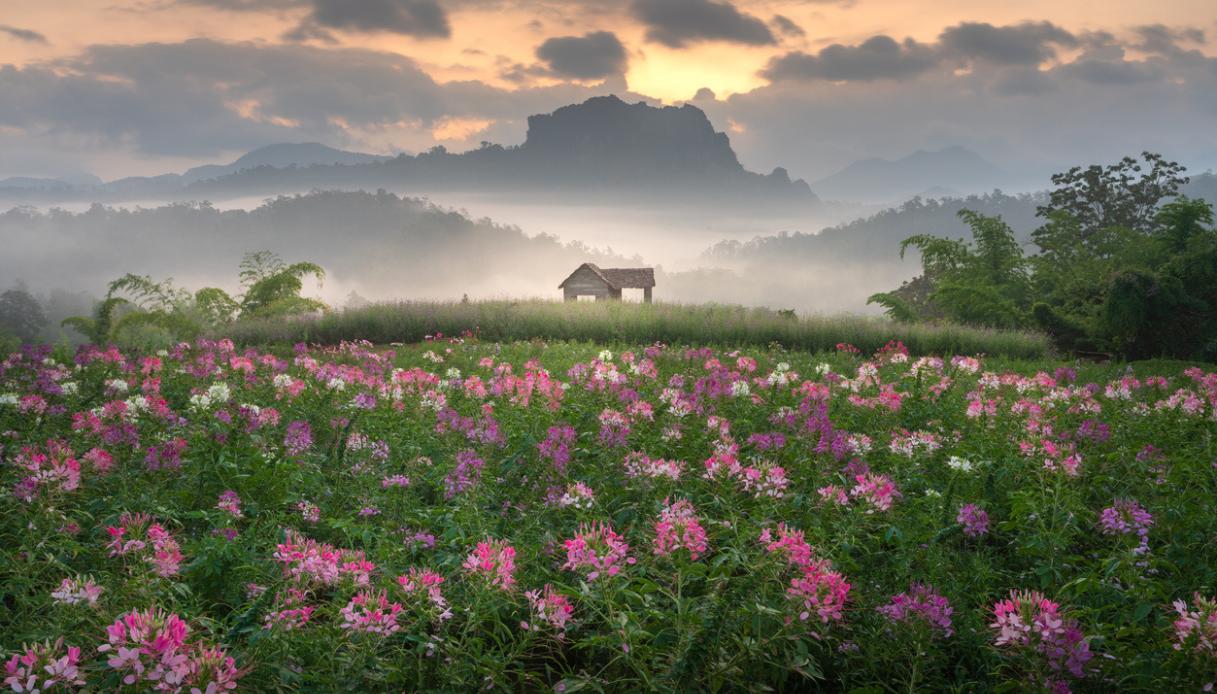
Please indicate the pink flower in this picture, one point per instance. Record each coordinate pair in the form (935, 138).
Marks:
(551, 607)
(877, 490)
(1196, 626)
(597, 549)
(148, 646)
(74, 591)
(44, 667)
(677, 528)
(820, 590)
(372, 613)
(494, 560)
(1029, 622)
(230, 503)
(789, 543)
(428, 581)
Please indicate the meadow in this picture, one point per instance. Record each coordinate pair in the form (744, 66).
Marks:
(467, 512)
(615, 321)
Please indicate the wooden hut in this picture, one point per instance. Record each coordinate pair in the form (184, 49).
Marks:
(607, 283)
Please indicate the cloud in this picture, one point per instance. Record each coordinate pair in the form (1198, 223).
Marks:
(591, 56)
(877, 58)
(1028, 43)
(201, 97)
(787, 26)
(1163, 40)
(677, 23)
(27, 35)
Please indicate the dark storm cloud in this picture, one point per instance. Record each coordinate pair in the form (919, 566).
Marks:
(418, 18)
(877, 58)
(421, 18)
(591, 56)
(28, 35)
(1029, 43)
(787, 26)
(677, 23)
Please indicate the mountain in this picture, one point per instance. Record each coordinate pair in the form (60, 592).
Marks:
(601, 150)
(281, 156)
(926, 173)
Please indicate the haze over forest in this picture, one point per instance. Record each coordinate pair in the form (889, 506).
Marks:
(414, 152)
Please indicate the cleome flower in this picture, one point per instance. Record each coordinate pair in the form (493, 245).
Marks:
(597, 550)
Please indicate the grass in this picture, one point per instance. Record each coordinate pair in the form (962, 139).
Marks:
(411, 321)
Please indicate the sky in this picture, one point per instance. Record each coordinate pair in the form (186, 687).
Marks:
(140, 87)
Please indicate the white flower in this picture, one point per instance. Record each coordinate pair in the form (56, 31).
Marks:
(336, 384)
(823, 368)
(200, 400)
(162, 352)
(137, 403)
(933, 493)
(9, 399)
(740, 389)
(69, 387)
(219, 392)
(117, 384)
(283, 381)
(605, 355)
(960, 464)
(454, 373)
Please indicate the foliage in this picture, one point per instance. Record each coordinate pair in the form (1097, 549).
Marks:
(1124, 265)
(137, 310)
(984, 282)
(20, 314)
(463, 515)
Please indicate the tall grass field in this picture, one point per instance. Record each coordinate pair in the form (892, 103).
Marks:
(412, 321)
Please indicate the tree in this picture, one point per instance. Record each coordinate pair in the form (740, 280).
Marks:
(135, 304)
(1118, 195)
(21, 315)
(984, 282)
(273, 288)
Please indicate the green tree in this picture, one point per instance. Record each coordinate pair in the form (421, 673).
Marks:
(984, 282)
(1126, 194)
(21, 315)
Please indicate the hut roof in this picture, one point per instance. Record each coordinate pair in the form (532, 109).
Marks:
(620, 277)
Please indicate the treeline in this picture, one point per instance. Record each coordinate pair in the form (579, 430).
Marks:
(1123, 264)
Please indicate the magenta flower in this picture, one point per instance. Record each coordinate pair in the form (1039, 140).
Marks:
(494, 560)
(1030, 623)
(820, 591)
(1196, 626)
(920, 603)
(597, 549)
(877, 490)
(679, 528)
(298, 439)
(974, 520)
(551, 607)
(371, 613)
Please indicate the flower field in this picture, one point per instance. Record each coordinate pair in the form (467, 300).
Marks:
(462, 515)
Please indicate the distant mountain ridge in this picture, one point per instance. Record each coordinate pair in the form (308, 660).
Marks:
(281, 156)
(599, 149)
(949, 171)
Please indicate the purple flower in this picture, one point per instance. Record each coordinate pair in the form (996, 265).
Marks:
(299, 438)
(974, 520)
(923, 603)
